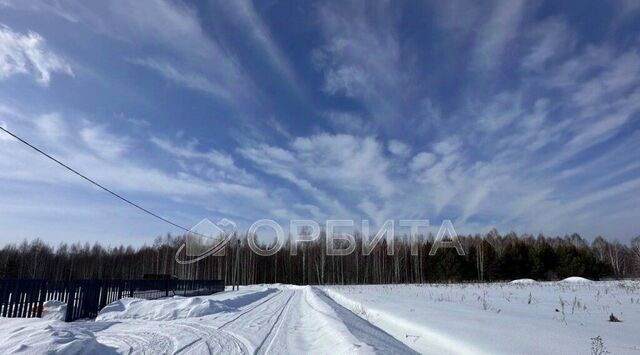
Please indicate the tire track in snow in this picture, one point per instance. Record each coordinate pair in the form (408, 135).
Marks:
(212, 338)
(249, 310)
(257, 324)
(279, 323)
(141, 342)
(161, 336)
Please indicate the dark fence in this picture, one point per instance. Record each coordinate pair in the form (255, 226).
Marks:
(85, 298)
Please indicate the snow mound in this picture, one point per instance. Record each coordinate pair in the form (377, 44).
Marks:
(178, 307)
(36, 336)
(54, 310)
(524, 281)
(165, 309)
(575, 279)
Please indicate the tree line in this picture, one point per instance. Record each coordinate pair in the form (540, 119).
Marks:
(489, 257)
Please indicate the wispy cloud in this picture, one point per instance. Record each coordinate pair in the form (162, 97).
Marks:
(500, 29)
(552, 38)
(189, 152)
(247, 19)
(51, 126)
(186, 79)
(27, 54)
(102, 142)
(398, 148)
(361, 57)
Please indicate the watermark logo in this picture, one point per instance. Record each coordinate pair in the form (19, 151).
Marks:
(207, 238)
(446, 238)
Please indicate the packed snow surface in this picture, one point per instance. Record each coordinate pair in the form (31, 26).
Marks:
(501, 318)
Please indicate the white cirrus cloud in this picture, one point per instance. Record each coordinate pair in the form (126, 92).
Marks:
(422, 161)
(498, 32)
(398, 148)
(51, 126)
(184, 78)
(28, 54)
(103, 142)
(244, 14)
(552, 38)
(361, 57)
(339, 171)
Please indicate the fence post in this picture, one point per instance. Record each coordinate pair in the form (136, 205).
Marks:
(104, 287)
(120, 287)
(4, 296)
(70, 302)
(14, 301)
(41, 299)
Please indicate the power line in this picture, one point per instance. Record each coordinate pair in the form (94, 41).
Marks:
(95, 183)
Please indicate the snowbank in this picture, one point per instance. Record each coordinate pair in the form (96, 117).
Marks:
(38, 336)
(179, 307)
(55, 310)
(576, 279)
(133, 308)
(524, 281)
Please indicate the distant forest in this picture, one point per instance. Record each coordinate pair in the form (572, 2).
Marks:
(491, 257)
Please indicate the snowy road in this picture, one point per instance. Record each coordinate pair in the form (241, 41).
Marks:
(274, 319)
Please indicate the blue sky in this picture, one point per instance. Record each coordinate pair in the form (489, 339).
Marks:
(516, 115)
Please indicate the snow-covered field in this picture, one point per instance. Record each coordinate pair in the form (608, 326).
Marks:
(525, 317)
(522, 317)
